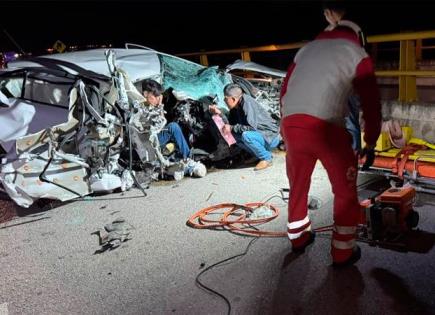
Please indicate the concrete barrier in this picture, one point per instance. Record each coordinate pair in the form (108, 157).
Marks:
(418, 115)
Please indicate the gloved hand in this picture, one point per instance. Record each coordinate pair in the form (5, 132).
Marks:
(369, 153)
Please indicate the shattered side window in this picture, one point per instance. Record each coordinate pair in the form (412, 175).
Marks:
(12, 87)
(48, 89)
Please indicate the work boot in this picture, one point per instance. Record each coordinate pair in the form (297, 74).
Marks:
(262, 165)
(250, 160)
(356, 255)
(301, 249)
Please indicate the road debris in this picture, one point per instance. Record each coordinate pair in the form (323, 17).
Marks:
(209, 196)
(113, 235)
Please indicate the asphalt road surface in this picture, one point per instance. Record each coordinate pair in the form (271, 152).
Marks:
(50, 265)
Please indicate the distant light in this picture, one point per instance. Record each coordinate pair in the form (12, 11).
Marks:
(16, 55)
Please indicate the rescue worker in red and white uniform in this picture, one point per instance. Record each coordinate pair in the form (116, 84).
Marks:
(314, 99)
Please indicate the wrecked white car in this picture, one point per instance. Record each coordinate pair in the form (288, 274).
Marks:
(75, 123)
(66, 129)
(263, 83)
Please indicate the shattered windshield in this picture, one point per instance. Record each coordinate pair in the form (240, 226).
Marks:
(190, 80)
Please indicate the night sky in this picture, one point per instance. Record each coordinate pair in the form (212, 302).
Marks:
(179, 26)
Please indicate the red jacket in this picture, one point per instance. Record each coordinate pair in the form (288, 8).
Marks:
(322, 76)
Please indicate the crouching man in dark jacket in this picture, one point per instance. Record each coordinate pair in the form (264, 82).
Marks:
(251, 125)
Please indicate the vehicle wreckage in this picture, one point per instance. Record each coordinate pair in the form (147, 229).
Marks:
(264, 83)
(76, 123)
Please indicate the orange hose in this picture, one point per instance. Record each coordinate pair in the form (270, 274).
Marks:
(199, 219)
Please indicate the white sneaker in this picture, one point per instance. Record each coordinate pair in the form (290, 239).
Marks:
(194, 169)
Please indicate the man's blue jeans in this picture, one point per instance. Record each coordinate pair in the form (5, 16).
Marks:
(352, 122)
(172, 132)
(254, 143)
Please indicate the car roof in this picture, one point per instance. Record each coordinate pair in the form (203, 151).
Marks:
(139, 64)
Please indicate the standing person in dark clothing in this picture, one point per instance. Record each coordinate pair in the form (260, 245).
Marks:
(251, 125)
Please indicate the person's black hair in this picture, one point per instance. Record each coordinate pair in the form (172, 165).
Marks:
(153, 87)
(338, 6)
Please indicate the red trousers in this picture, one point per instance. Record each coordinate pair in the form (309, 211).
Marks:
(308, 139)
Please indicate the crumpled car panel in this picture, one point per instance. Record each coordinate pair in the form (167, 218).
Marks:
(21, 180)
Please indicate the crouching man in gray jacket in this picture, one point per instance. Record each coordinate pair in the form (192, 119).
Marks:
(251, 125)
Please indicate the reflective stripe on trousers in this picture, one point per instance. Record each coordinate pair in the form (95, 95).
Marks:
(343, 242)
(297, 231)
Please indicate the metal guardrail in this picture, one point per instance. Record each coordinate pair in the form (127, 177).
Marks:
(411, 47)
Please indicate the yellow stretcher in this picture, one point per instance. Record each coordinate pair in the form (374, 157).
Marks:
(414, 162)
